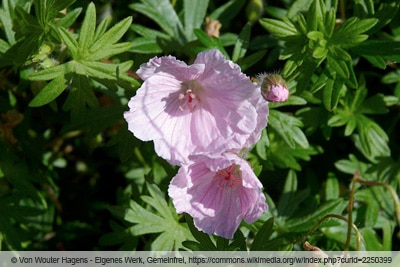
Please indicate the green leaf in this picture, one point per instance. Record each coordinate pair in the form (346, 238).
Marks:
(263, 234)
(4, 46)
(331, 187)
(79, 97)
(194, 12)
(374, 48)
(204, 239)
(376, 61)
(163, 13)
(18, 173)
(338, 119)
(228, 11)
(291, 197)
(288, 128)
(297, 7)
(338, 66)
(372, 140)
(350, 32)
(391, 77)
(6, 16)
(111, 51)
(96, 120)
(316, 15)
(314, 118)
(242, 43)
(88, 27)
(350, 126)
(358, 97)
(148, 33)
(372, 206)
(10, 234)
(349, 166)
(372, 243)
(210, 42)
(249, 61)
(388, 230)
(144, 45)
(106, 70)
(50, 92)
(164, 221)
(112, 36)
(69, 41)
(385, 14)
(124, 141)
(222, 243)
(320, 52)
(374, 105)
(262, 145)
(286, 199)
(52, 73)
(69, 18)
(305, 223)
(331, 93)
(280, 29)
(239, 242)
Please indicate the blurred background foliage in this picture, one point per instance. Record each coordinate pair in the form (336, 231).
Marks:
(73, 178)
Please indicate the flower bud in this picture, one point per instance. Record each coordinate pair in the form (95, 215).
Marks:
(273, 87)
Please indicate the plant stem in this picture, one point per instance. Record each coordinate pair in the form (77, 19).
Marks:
(350, 212)
(389, 188)
(340, 217)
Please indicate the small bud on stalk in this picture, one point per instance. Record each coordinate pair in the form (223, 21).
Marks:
(273, 87)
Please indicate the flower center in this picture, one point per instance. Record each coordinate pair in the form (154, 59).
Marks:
(229, 177)
(188, 98)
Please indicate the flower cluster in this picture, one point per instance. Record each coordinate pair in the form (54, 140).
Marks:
(200, 117)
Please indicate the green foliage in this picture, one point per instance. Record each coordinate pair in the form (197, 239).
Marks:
(73, 177)
(317, 49)
(92, 45)
(159, 217)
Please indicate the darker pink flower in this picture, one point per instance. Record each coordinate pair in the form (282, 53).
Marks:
(218, 192)
(273, 87)
(209, 106)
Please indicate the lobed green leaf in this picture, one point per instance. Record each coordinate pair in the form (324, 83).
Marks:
(86, 33)
(280, 29)
(264, 233)
(112, 36)
(288, 128)
(50, 92)
(68, 39)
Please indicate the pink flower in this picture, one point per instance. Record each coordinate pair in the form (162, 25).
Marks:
(273, 87)
(218, 192)
(209, 106)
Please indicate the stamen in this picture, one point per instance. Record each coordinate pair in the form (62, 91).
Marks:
(189, 97)
(229, 177)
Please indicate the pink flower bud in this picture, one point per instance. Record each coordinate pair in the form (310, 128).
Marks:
(273, 87)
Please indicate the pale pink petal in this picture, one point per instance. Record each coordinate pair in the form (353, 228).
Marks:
(262, 119)
(218, 192)
(208, 106)
(149, 108)
(169, 66)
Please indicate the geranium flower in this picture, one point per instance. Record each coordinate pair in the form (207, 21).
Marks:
(218, 192)
(209, 106)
